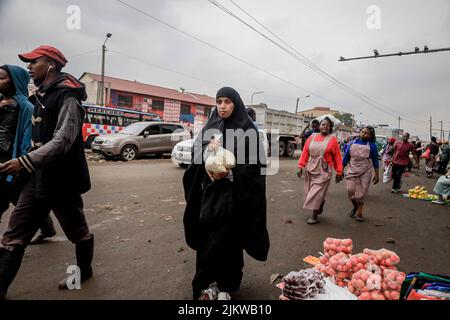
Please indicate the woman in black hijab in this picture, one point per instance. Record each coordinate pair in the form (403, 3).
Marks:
(226, 214)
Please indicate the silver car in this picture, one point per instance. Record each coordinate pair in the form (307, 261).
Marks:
(141, 138)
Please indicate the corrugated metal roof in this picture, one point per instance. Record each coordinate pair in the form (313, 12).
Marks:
(151, 90)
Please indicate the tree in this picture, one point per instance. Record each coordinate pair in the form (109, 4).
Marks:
(346, 118)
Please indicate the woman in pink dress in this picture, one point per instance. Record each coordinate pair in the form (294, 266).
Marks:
(320, 155)
(361, 158)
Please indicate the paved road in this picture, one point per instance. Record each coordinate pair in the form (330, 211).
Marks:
(135, 210)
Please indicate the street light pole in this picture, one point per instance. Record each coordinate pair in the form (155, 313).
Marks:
(298, 100)
(254, 93)
(102, 86)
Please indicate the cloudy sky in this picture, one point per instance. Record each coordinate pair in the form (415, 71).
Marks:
(413, 87)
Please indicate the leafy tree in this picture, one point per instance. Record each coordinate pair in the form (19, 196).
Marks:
(346, 118)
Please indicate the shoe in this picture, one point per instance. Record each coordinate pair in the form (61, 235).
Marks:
(209, 294)
(312, 221)
(224, 296)
(438, 202)
(352, 213)
(359, 218)
(395, 191)
(84, 252)
(41, 238)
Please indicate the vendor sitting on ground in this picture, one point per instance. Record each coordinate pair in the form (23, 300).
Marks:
(442, 189)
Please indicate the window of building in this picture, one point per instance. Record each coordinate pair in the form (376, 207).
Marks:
(125, 101)
(157, 105)
(185, 108)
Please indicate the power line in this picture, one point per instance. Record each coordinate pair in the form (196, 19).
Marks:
(163, 68)
(223, 51)
(298, 56)
(83, 53)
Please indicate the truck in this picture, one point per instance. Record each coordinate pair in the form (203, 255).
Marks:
(290, 126)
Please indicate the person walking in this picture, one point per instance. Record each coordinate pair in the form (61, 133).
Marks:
(222, 218)
(362, 160)
(430, 161)
(57, 165)
(388, 152)
(308, 131)
(15, 136)
(320, 155)
(400, 160)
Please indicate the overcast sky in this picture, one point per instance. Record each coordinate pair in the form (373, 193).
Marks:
(416, 86)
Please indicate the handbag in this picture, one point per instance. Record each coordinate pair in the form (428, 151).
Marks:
(426, 154)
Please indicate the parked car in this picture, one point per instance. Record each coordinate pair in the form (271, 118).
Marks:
(182, 153)
(141, 138)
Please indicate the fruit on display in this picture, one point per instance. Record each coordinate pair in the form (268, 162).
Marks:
(419, 192)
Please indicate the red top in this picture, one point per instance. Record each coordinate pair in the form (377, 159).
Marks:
(401, 153)
(332, 154)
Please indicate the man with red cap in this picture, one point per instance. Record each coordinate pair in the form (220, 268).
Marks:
(57, 164)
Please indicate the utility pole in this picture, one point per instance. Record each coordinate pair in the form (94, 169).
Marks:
(399, 122)
(102, 86)
(298, 100)
(431, 128)
(442, 130)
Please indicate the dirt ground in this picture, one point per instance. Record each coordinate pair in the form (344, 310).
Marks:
(135, 210)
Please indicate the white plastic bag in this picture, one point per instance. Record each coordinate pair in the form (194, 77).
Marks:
(334, 292)
(220, 161)
(387, 176)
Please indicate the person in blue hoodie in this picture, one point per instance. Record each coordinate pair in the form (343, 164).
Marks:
(15, 127)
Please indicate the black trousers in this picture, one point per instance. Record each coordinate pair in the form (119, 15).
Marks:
(397, 172)
(31, 212)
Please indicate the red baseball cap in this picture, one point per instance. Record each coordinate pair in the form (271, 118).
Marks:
(42, 51)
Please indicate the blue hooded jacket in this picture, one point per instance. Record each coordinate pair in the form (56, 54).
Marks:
(22, 142)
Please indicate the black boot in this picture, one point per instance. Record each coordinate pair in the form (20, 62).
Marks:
(84, 252)
(10, 262)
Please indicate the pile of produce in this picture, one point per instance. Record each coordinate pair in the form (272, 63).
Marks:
(370, 275)
(421, 193)
(303, 284)
(392, 284)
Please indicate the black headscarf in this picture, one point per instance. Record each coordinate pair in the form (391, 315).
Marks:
(249, 183)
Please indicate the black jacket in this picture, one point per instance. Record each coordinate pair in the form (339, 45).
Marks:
(67, 173)
(8, 122)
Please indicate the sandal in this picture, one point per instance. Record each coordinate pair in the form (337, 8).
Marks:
(312, 221)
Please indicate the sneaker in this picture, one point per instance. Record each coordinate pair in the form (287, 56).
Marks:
(210, 294)
(438, 202)
(224, 296)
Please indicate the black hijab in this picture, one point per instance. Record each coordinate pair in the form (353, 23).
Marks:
(249, 184)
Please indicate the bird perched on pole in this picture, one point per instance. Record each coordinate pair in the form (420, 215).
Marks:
(416, 49)
(425, 48)
(376, 53)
